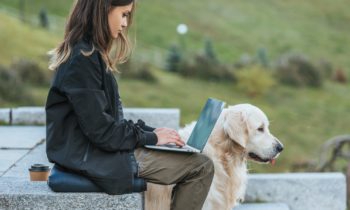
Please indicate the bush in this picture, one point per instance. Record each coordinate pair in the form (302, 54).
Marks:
(204, 68)
(11, 86)
(31, 72)
(340, 76)
(245, 61)
(297, 70)
(326, 68)
(187, 68)
(134, 69)
(255, 80)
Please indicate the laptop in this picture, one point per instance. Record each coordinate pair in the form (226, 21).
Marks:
(201, 131)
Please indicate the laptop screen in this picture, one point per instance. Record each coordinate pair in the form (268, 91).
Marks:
(206, 123)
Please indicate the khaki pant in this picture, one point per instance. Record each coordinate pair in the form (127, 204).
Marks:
(191, 172)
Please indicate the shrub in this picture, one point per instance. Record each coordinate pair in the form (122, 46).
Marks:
(134, 69)
(245, 61)
(297, 70)
(146, 74)
(187, 68)
(340, 76)
(11, 86)
(31, 72)
(204, 68)
(326, 68)
(255, 80)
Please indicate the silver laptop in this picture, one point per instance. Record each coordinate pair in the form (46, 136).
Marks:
(201, 131)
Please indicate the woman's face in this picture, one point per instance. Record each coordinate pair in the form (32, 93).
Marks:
(117, 19)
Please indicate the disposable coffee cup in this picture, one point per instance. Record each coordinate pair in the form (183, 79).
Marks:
(39, 172)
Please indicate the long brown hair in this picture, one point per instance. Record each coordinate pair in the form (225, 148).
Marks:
(90, 17)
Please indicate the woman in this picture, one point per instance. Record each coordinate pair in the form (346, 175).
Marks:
(86, 131)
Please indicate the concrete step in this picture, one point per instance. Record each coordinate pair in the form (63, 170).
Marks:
(16, 194)
(262, 206)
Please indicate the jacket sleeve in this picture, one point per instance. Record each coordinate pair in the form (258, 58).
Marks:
(142, 124)
(83, 88)
(150, 138)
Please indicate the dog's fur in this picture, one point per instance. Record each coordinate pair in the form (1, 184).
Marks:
(240, 131)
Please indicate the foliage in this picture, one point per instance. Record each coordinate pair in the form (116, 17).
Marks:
(43, 18)
(31, 72)
(262, 57)
(173, 59)
(326, 68)
(135, 69)
(245, 61)
(255, 80)
(340, 76)
(204, 68)
(296, 70)
(11, 86)
(209, 51)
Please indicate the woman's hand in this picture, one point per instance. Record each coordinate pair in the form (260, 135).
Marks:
(159, 129)
(168, 135)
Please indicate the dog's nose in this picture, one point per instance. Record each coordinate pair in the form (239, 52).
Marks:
(279, 148)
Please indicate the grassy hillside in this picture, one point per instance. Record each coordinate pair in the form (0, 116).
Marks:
(17, 39)
(301, 118)
(317, 28)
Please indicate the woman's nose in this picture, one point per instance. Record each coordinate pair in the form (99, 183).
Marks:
(124, 24)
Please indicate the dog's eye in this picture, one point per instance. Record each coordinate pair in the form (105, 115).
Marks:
(261, 129)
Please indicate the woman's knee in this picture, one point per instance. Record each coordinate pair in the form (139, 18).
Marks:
(206, 161)
(208, 170)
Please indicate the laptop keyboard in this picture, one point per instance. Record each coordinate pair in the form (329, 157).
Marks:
(178, 147)
(172, 146)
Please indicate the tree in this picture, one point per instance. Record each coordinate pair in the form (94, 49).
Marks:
(209, 51)
(43, 18)
(173, 59)
(262, 57)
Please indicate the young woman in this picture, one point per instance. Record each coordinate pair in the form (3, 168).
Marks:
(86, 131)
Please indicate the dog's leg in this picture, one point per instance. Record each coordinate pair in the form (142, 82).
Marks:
(158, 197)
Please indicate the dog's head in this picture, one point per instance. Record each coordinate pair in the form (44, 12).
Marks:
(248, 126)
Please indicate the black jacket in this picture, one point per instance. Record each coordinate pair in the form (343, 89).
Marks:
(85, 128)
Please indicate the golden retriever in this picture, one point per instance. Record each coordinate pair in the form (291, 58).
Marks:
(241, 133)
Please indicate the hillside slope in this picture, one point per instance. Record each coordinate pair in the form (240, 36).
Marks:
(301, 118)
(21, 40)
(318, 28)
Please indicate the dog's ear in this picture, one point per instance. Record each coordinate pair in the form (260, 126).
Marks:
(236, 127)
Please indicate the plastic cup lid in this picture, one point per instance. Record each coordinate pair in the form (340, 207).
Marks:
(39, 167)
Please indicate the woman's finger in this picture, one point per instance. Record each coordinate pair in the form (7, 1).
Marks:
(182, 143)
(177, 142)
(179, 139)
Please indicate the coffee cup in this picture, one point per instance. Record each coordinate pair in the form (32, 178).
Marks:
(39, 172)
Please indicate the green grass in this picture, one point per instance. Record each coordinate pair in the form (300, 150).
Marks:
(18, 39)
(317, 28)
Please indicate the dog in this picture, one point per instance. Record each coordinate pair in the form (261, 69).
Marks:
(241, 133)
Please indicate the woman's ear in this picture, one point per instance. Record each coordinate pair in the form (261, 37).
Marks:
(235, 126)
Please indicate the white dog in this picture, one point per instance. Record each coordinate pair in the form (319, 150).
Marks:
(241, 133)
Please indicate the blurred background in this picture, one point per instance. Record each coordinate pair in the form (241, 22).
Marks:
(289, 58)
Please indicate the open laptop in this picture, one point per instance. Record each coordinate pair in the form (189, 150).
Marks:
(201, 131)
